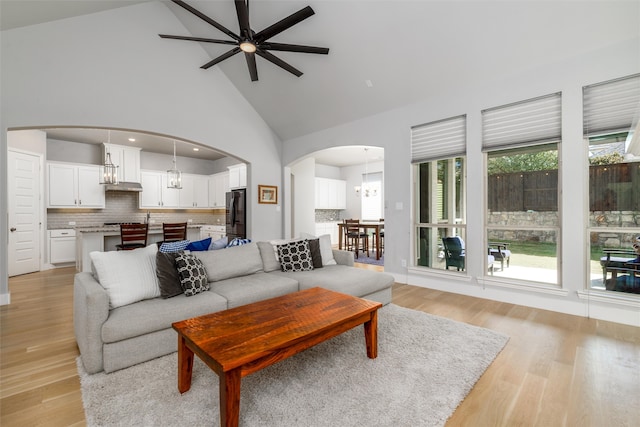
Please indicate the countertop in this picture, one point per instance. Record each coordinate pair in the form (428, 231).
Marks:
(116, 228)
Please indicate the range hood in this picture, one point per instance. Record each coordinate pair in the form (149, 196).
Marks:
(124, 186)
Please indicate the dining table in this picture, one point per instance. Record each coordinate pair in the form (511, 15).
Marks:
(376, 226)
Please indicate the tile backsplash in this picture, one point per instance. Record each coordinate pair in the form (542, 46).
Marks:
(328, 215)
(122, 206)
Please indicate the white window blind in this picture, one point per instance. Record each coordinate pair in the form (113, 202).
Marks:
(531, 122)
(439, 140)
(611, 106)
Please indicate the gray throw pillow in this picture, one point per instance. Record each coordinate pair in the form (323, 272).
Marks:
(167, 273)
(295, 256)
(193, 276)
(316, 255)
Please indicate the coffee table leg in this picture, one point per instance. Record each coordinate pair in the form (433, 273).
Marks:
(185, 365)
(230, 398)
(371, 335)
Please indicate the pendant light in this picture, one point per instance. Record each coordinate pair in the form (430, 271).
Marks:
(174, 176)
(366, 190)
(108, 171)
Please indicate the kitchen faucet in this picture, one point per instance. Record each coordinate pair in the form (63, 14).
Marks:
(148, 216)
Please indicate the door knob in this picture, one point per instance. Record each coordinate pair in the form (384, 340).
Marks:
(12, 229)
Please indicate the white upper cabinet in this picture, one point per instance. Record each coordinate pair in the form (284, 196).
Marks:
(330, 193)
(194, 192)
(74, 186)
(127, 159)
(218, 188)
(237, 176)
(155, 193)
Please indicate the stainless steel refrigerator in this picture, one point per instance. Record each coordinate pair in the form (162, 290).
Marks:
(236, 209)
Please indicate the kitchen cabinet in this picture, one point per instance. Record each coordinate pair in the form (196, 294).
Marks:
(237, 176)
(71, 185)
(194, 192)
(216, 232)
(218, 188)
(330, 193)
(127, 159)
(330, 228)
(62, 246)
(155, 193)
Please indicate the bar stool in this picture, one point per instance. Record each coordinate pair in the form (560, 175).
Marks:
(133, 236)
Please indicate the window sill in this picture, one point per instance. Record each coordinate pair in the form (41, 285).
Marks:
(433, 272)
(523, 285)
(612, 297)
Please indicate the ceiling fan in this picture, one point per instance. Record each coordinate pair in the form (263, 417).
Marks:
(250, 42)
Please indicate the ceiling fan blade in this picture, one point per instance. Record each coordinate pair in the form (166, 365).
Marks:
(279, 62)
(206, 19)
(198, 39)
(220, 58)
(283, 24)
(243, 18)
(251, 63)
(294, 48)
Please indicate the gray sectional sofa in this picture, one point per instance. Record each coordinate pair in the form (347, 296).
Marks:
(115, 338)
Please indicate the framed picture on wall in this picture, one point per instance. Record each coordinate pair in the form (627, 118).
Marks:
(268, 194)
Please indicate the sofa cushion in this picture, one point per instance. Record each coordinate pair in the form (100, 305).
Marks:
(255, 287)
(167, 273)
(157, 314)
(231, 262)
(340, 278)
(200, 245)
(193, 277)
(174, 246)
(269, 260)
(295, 256)
(219, 244)
(127, 276)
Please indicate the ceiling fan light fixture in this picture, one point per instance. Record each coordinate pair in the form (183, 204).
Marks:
(248, 46)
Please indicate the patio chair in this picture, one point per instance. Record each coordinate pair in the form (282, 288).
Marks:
(615, 259)
(625, 278)
(453, 252)
(500, 252)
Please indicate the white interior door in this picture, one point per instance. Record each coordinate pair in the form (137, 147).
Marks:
(24, 212)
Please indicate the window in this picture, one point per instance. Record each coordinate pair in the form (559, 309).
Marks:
(610, 114)
(438, 150)
(521, 142)
(371, 196)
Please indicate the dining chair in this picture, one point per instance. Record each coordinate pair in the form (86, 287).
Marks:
(355, 238)
(381, 235)
(133, 236)
(174, 232)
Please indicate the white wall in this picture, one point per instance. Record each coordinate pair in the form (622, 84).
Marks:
(304, 200)
(353, 176)
(111, 69)
(391, 130)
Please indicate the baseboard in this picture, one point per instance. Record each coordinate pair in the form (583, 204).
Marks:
(5, 299)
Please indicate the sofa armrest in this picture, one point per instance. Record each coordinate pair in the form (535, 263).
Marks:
(90, 311)
(343, 257)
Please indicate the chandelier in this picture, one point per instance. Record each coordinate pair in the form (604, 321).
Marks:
(366, 189)
(174, 176)
(108, 171)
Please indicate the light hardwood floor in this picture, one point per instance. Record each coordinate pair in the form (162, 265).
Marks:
(556, 370)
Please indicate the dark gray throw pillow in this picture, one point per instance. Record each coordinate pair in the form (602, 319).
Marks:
(167, 273)
(316, 255)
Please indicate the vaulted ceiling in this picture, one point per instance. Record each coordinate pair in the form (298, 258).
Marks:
(383, 54)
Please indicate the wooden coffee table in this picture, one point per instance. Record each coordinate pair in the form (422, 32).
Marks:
(243, 340)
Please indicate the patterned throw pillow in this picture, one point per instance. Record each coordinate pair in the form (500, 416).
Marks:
(238, 242)
(193, 276)
(174, 246)
(295, 256)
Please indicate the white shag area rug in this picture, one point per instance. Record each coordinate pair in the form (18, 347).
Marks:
(426, 365)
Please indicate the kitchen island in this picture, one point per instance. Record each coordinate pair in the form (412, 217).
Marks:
(104, 238)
